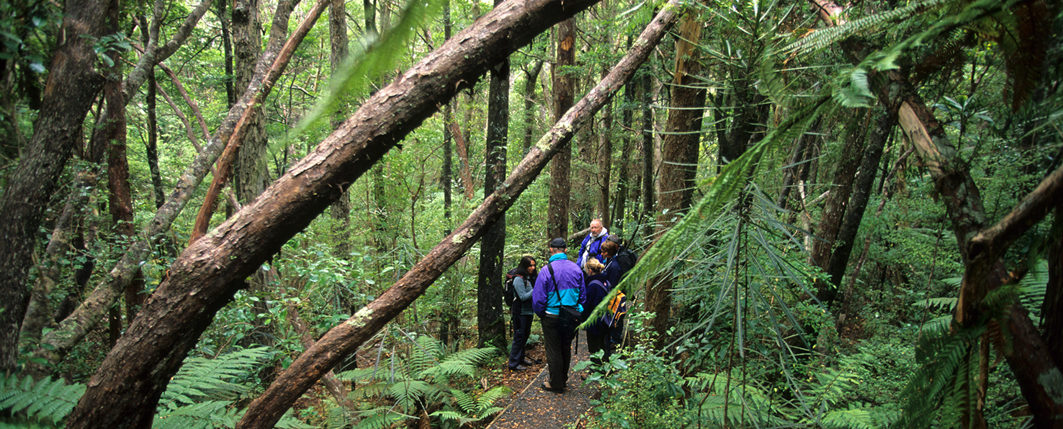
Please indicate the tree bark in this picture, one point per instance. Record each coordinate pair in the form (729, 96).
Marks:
(679, 154)
(56, 344)
(210, 271)
(531, 101)
(623, 169)
(647, 155)
(862, 189)
(834, 208)
(980, 249)
(72, 85)
(605, 158)
(491, 323)
(350, 335)
(341, 209)
(564, 93)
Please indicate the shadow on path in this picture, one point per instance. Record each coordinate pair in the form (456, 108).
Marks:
(537, 408)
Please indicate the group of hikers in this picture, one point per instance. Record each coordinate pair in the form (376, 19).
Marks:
(563, 294)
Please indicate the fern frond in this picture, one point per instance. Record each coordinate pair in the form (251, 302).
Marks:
(823, 38)
(205, 415)
(381, 418)
(44, 401)
(201, 378)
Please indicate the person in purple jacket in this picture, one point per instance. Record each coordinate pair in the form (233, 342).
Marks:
(558, 299)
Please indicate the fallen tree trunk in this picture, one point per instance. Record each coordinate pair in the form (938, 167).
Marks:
(210, 271)
(345, 338)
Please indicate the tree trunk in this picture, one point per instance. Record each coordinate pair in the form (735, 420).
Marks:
(363, 325)
(623, 169)
(151, 148)
(490, 320)
(865, 183)
(211, 270)
(341, 209)
(73, 83)
(560, 167)
(647, 156)
(57, 343)
(834, 208)
(531, 77)
(605, 158)
(679, 154)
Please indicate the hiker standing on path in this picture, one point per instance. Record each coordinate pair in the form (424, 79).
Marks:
(598, 333)
(558, 300)
(592, 243)
(523, 283)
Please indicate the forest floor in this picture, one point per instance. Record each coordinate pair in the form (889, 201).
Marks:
(531, 407)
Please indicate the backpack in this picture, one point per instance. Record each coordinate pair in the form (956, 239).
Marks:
(626, 259)
(510, 294)
(616, 310)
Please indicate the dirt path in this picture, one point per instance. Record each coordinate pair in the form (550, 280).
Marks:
(537, 408)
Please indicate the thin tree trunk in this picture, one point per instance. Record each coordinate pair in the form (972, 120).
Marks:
(72, 85)
(341, 209)
(210, 271)
(623, 169)
(531, 77)
(560, 168)
(151, 149)
(605, 158)
(647, 156)
(491, 323)
(865, 183)
(834, 208)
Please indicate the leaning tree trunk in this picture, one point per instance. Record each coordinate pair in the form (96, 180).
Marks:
(72, 85)
(560, 168)
(210, 271)
(980, 248)
(834, 208)
(350, 335)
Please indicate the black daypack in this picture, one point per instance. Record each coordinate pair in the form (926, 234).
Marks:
(510, 294)
(626, 259)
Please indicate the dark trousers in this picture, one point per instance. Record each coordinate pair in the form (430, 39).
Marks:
(558, 345)
(599, 342)
(521, 330)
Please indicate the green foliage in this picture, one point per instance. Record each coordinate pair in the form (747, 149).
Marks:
(201, 395)
(422, 380)
(46, 402)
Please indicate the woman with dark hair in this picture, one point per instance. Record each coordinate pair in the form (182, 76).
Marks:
(523, 281)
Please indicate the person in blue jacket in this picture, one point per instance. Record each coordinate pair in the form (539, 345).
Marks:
(558, 299)
(592, 243)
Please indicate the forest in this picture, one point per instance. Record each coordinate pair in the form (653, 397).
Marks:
(300, 214)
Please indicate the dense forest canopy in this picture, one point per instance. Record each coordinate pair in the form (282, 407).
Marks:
(847, 215)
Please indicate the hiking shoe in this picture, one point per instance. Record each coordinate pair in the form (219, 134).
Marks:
(518, 368)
